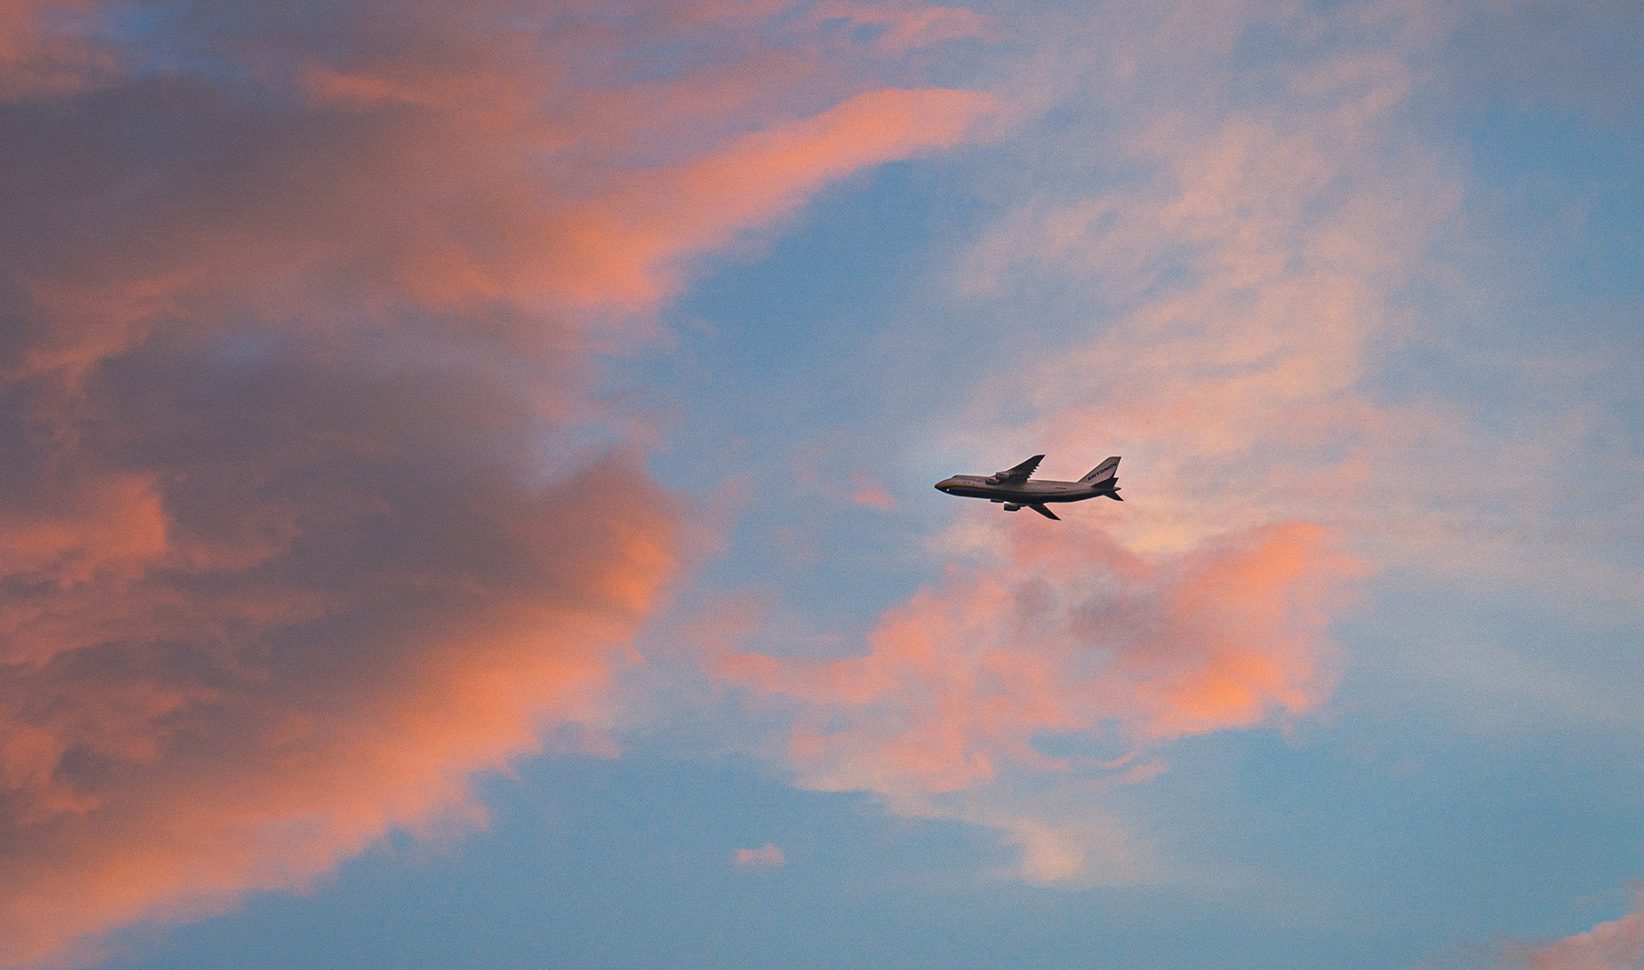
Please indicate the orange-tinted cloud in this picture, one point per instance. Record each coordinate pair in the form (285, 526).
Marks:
(1616, 945)
(44, 47)
(622, 243)
(1231, 263)
(1244, 260)
(1068, 637)
(1244, 244)
(1260, 274)
(300, 522)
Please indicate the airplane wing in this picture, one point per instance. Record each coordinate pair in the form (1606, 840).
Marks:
(1017, 475)
(1047, 513)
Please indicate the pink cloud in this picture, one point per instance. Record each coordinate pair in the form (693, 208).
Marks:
(1253, 267)
(767, 855)
(869, 493)
(1068, 637)
(1242, 262)
(1616, 945)
(299, 526)
(623, 243)
(44, 48)
(874, 497)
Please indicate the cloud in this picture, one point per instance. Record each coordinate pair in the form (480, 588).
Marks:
(1254, 280)
(1216, 242)
(1228, 244)
(902, 27)
(44, 47)
(1072, 640)
(633, 231)
(309, 508)
(767, 855)
(867, 492)
(1614, 945)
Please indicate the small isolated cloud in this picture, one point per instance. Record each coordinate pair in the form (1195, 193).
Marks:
(871, 494)
(769, 854)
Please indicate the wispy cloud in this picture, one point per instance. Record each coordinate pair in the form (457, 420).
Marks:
(1222, 245)
(1243, 254)
(768, 855)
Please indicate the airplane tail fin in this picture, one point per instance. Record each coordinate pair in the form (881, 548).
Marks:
(1107, 470)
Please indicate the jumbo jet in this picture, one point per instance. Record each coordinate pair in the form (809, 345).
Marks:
(1012, 488)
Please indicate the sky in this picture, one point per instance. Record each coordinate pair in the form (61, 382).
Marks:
(465, 484)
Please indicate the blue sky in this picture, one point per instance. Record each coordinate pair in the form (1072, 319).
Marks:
(572, 529)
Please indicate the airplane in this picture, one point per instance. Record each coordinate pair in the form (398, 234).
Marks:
(1012, 488)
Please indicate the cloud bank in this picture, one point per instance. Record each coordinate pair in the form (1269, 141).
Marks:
(308, 508)
(1614, 945)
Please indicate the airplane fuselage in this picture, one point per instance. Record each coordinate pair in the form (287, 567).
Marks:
(1032, 492)
(1015, 489)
